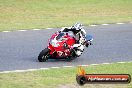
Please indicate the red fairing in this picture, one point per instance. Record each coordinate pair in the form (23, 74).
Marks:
(54, 35)
(57, 41)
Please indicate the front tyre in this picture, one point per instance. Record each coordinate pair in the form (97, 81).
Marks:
(43, 56)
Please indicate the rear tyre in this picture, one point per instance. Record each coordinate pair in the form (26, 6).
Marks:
(43, 56)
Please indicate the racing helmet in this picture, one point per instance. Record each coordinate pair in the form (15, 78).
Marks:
(77, 26)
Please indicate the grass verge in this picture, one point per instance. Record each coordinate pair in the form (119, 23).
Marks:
(63, 78)
(30, 14)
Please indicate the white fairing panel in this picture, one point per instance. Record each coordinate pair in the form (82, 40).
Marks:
(80, 49)
(76, 45)
(78, 53)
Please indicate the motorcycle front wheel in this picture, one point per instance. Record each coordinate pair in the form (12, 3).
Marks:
(43, 56)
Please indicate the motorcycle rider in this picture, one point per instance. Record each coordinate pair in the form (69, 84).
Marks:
(80, 36)
(78, 32)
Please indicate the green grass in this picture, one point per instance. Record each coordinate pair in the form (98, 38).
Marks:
(29, 14)
(54, 78)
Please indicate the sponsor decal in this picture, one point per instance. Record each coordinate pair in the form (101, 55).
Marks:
(83, 78)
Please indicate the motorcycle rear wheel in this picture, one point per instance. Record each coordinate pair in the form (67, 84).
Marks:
(43, 56)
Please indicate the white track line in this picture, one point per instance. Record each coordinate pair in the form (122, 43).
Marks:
(120, 62)
(104, 24)
(58, 67)
(55, 67)
(94, 64)
(19, 71)
(120, 23)
(24, 70)
(106, 63)
(6, 72)
(32, 69)
(49, 28)
(44, 68)
(36, 29)
(65, 27)
(6, 31)
(68, 66)
(129, 62)
(92, 25)
(22, 30)
(84, 65)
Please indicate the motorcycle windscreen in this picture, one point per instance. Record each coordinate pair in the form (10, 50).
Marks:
(59, 37)
(89, 37)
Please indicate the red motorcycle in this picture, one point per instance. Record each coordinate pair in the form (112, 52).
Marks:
(61, 46)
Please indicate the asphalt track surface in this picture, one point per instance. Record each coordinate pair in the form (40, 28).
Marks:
(19, 50)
